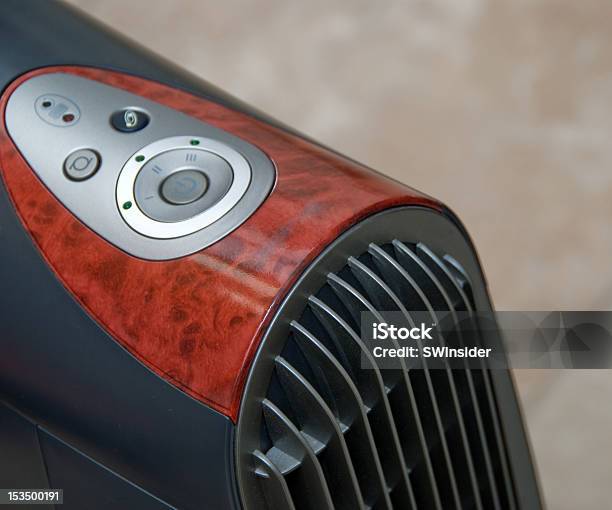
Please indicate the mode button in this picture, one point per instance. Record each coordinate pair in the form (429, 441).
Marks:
(81, 164)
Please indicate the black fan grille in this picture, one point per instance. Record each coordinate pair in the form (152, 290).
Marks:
(334, 436)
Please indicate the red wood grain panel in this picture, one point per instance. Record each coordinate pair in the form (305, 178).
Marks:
(198, 320)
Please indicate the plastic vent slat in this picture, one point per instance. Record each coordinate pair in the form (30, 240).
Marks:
(408, 419)
(318, 425)
(275, 487)
(350, 413)
(412, 262)
(371, 386)
(431, 286)
(307, 483)
(385, 299)
(490, 415)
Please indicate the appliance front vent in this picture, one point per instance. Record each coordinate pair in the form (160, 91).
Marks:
(332, 435)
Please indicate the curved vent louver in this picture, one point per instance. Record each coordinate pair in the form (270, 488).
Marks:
(335, 436)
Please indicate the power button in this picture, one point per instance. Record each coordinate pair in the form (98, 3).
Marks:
(81, 164)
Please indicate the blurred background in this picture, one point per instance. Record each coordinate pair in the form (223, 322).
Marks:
(502, 109)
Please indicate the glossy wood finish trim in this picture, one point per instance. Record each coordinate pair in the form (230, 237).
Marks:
(198, 320)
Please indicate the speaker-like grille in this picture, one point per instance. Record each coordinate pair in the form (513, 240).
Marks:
(336, 436)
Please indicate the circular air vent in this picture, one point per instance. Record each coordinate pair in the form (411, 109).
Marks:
(318, 431)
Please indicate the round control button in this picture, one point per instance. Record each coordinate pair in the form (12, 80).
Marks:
(81, 164)
(184, 187)
(129, 120)
(228, 175)
(181, 183)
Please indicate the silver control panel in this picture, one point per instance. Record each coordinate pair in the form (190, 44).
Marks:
(153, 181)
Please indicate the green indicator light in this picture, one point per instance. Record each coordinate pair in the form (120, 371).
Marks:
(195, 142)
(127, 205)
(139, 158)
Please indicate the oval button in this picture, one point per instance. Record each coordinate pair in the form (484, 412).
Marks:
(129, 120)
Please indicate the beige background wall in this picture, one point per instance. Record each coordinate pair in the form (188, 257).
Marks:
(503, 109)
